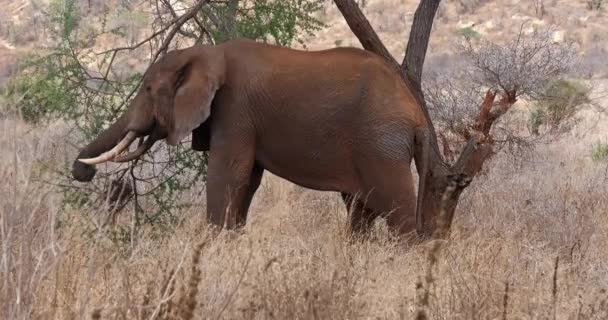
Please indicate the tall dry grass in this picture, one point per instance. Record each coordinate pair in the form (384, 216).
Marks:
(530, 238)
(529, 242)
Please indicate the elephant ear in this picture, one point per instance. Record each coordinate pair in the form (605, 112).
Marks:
(196, 86)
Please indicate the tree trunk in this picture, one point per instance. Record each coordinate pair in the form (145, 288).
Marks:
(417, 45)
(361, 27)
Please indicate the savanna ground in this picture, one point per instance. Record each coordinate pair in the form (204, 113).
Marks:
(529, 241)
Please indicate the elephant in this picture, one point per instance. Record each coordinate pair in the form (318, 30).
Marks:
(338, 119)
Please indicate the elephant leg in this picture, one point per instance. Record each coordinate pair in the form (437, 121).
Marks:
(254, 183)
(389, 186)
(361, 218)
(231, 183)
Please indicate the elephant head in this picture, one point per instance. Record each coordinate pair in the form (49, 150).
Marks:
(174, 99)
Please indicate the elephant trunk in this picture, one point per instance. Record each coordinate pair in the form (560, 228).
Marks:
(107, 140)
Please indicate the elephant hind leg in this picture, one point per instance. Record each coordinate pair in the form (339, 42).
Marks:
(361, 218)
(389, 189)
(254, 182)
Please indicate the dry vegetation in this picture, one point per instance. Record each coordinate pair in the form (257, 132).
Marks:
(529, 241)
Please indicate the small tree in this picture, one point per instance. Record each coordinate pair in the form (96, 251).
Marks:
(463, 101)
(511, 81)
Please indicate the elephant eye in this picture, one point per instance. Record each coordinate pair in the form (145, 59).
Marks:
(148, 89)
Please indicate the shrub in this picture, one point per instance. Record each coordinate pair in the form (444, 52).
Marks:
(468, 33)
(537, 119)
(469, 6)
(558, 103)
(526, 66)
(40, 92)
(599, 152)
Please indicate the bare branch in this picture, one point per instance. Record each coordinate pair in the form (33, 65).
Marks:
(470, 161)
(204, 30)
(448, 154)
(463, 100)
(142, 42)
(527, 62)
(363, 30)
(418, 42)
(177, 25)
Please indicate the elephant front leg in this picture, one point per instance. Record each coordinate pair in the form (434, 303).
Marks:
(231, 183)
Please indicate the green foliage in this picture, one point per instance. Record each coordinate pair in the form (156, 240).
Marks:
(537, 119)
(73, 82)
(56, 84)
(64, 17)
(599, 152)
(280, 22)
(468, 33)
(38, 94)
(42, 90)
(558, 103)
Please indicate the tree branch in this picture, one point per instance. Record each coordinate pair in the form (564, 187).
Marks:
(470, 162)
(419, 40)
(363, 30)
(142, 42)
(169, 6)
(191, 13)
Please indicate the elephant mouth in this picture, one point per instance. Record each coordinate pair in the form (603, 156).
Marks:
(120, 152)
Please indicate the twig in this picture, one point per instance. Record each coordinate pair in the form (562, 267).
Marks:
(172, 279)
(505, 301)
(204, 30)
(554, 289)
(141, 43)
(177, 25)
(238, 284)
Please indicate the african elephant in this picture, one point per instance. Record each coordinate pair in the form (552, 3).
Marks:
(333, 120)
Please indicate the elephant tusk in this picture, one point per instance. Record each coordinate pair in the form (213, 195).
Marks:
(109, 155)
(141, 149)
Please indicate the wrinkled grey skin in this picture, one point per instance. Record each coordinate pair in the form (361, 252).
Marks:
(335, 120)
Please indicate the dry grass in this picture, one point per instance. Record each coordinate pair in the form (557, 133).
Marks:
(530, 238)
(529, 241)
